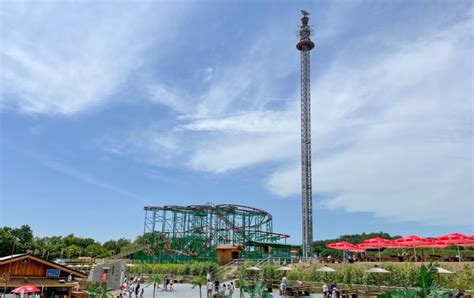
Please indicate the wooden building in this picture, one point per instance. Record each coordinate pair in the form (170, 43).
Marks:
(51, 278)
(228, 252)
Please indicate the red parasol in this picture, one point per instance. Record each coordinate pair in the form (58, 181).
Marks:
(343, 245)
(458, 240)
(411, 241)
(455, 239)
(469, 242)
(433, 243)
(357, 248)
(26, 289)
(376, 243)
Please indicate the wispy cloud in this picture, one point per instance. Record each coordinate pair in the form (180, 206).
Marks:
(71, 57)
(392, 130)
(392, 114)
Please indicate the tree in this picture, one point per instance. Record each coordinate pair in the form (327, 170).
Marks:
(72, 251)
(155, 279)
(96, 250)
(24, 234)
(115, 246)
(6, 241)
(199, 281)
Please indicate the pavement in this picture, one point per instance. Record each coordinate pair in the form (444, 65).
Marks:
(186, 290)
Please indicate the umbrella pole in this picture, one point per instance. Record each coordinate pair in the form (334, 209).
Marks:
(380, 258)
(459, 254)
(378, 280)
(414, 249)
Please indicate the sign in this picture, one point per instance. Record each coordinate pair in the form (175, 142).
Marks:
(52, 272)
(103, 277)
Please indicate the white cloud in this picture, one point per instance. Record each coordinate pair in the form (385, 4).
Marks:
(392, 132)
(173, 99)
(392, 126)
(409, 153)
(70, 57)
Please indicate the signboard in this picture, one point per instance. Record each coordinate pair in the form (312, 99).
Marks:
(104, 277)
(52, 272)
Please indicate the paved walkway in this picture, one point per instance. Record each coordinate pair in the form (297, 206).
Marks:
(186, 290)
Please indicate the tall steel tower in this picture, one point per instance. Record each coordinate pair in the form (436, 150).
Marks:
(305, 45)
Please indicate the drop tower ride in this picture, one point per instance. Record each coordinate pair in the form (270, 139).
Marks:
(305, 45)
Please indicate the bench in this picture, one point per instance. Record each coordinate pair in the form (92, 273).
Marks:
(298, 291)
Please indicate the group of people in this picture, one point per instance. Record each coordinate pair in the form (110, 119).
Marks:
(214, 289)
(330, 292)
(167, 282)
(131, 288)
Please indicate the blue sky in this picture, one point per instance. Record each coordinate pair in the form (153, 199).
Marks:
(107, 107)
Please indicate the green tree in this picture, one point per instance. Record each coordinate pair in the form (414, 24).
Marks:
(6, 241)
(199, 281)
(156, 279)
(24, 235)
(72, 251)
(96, 250)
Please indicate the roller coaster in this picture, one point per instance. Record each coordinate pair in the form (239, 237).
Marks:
(181, 233)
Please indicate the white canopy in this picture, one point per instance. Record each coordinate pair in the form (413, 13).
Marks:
(326, 269)
(284, 268)
(377, 270)
(253, 268)
(442, 270)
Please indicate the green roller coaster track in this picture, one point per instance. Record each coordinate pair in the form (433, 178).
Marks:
(182, 233)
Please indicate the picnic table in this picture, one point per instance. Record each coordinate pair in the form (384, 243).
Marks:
(302, 290)
(349, 293)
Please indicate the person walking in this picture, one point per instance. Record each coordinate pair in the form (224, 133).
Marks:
(216, 287)
(164, 282)
(137, 290)
(209, 287)
(172, 283)
(231, 289)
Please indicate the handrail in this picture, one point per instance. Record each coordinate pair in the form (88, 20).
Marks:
(222, 268)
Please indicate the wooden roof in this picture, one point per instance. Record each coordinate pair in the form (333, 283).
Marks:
(19, 257)
(230, 246)
(40, 282)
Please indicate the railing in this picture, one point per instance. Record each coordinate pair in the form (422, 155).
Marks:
(128, 252)
(223, 268)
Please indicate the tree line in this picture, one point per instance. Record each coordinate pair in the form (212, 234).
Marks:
(22, 239)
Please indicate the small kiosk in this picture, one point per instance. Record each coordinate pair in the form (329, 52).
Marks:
(228, 252)
(54, 280)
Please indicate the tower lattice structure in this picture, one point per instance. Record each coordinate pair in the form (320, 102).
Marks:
(305, 45)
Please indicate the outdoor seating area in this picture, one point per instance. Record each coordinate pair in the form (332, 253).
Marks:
(298, 290)
(410, 243)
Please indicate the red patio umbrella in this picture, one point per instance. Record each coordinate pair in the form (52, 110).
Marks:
(343, 245)
(433, 243)
(357, 248)
(411, 241)
(376, 243)
(26, 289)
(469, 242)
(457, 239)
